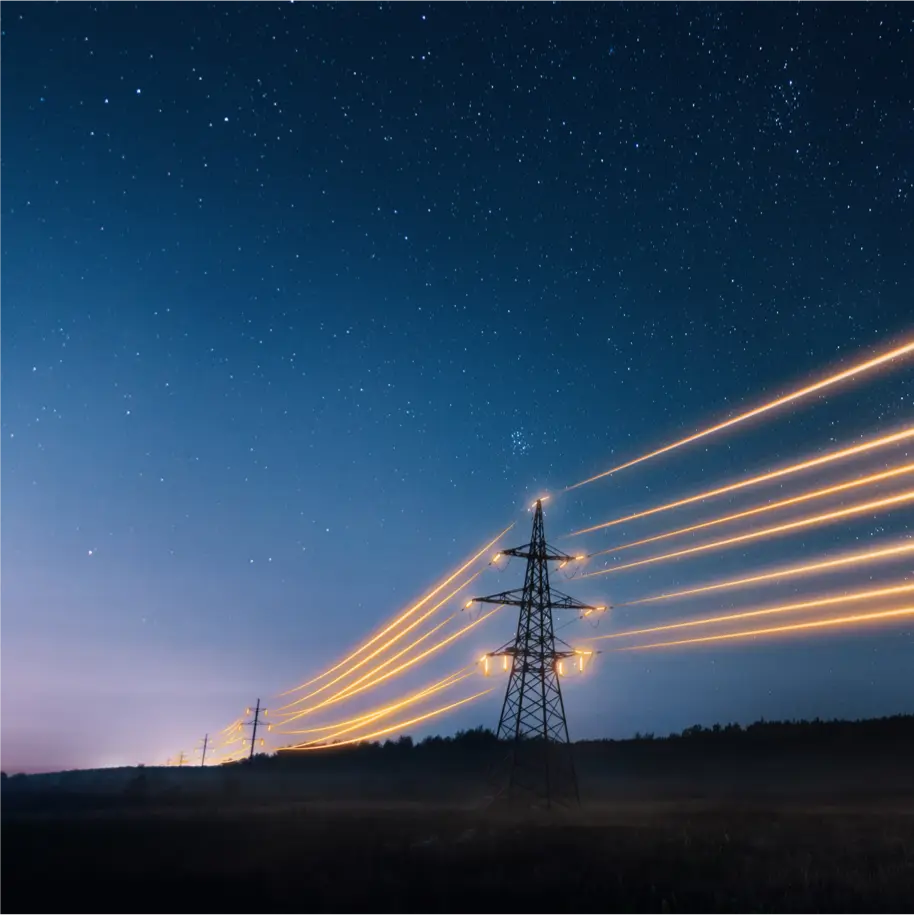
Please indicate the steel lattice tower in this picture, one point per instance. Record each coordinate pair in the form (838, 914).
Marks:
(533, 713)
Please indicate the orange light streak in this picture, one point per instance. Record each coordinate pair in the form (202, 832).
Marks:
(770, 506)
(344, 691)
(391, 641)
(353, 688)
(403, 616)
(792, 627)
(762, 478)
(349, 688)
(853, 559)
(872, 505)
(232, 734)
(388, 661)
(766, 611)
(373, 715)
(858, 369)
(451, 681)
(394, 727)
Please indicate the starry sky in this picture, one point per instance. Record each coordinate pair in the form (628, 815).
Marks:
(303, 303)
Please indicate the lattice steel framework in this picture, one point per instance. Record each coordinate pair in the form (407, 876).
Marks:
(533, 713)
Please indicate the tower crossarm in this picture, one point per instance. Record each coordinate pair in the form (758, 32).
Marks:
(512, 652)
(546, 553)
(511, 598)
(564, 602)
(515, 598)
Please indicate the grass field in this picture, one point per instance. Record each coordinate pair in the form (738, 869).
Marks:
(779, 817)
(676, 856)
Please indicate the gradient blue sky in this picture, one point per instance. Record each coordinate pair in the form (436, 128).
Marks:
(302, 303)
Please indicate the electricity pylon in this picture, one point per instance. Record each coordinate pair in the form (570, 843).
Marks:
(203, 752)
(533, 713)
(254, 723)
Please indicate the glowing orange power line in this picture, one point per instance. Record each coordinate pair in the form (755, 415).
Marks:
(405, 615)
(861, 558)
(381, 648)
(231, 734)
(792, 627)
(770, 506)
(353, 689)
(766, 611)
(762, 478)
(390, 709)
(887, 502)
(823, 383)
(349, 689)
(343, 690)
(450, 680)
(395, 727)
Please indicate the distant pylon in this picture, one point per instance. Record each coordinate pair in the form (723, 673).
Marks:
(533, 713)
(254, 723)
(203, 749)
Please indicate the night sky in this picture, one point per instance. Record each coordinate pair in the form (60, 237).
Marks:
(301, 304)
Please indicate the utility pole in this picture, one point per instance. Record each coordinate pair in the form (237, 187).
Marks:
(203, 752)
(533, 713)
(254, 723)
(181, 758)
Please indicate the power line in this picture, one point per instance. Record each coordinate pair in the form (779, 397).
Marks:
(404, 615)
(862, 557)
(831, 622)
(868, 594)
(811, 521)
(347, 727)
(860, 368)
(359, 686)
(388, 644)
(820, 493)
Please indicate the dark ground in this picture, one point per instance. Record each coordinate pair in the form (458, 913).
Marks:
(686, 857)
(787, 830)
